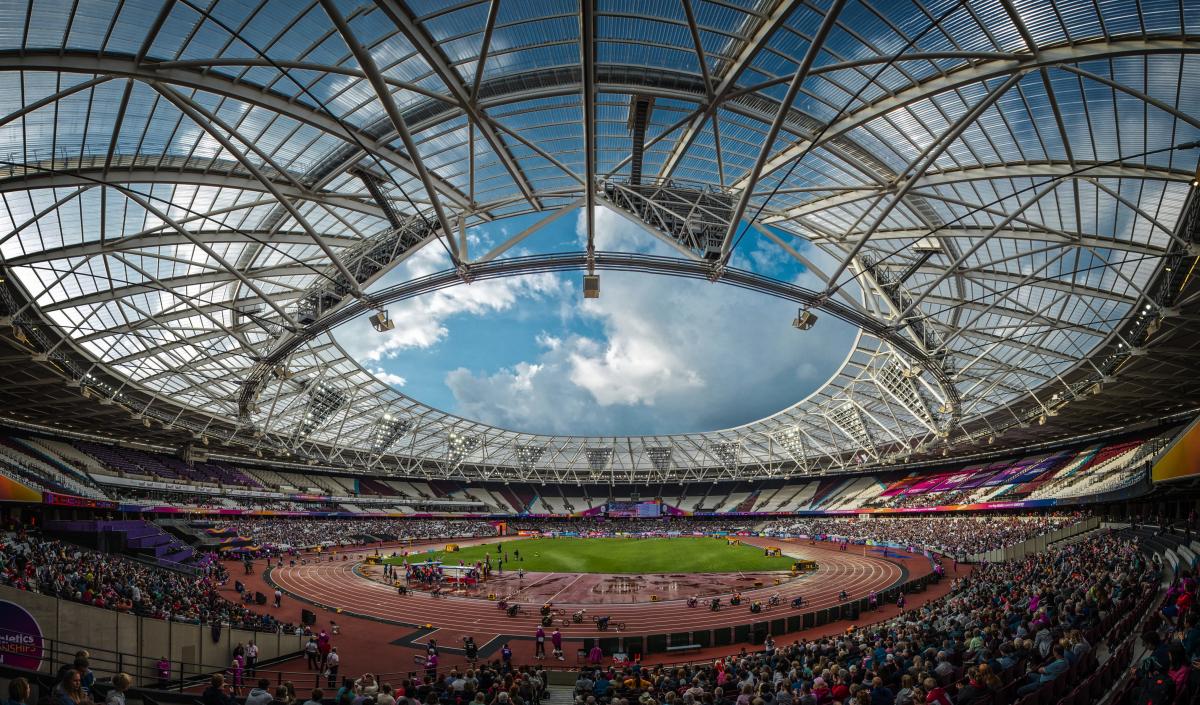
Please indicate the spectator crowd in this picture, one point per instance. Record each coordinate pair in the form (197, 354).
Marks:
(1011, 627)
(956, 536)
(50, 567)
(1006, 630)
(306, 533)
(952, 536)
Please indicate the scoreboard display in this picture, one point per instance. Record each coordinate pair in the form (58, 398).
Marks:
(644, 510)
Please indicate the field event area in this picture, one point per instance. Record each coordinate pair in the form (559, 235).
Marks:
(613, 555)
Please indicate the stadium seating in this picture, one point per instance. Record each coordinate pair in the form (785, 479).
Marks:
(92, 469)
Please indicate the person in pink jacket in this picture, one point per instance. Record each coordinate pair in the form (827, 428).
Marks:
(556, 639)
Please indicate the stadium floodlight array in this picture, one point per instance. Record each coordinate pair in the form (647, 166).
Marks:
(848, 418)
(324, 400)
(365, 259)
(893, 288)
(727, 453)
(898, 382)
(598, 460)
(388, 430)
(660, 457)
(459, 446)
(792, 441)
(527, 456)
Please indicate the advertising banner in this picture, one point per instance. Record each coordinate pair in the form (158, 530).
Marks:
(13, 491)
(1182, 458)
(68, 500)
(20, 637)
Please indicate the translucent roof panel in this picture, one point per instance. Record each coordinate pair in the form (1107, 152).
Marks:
(991, 188)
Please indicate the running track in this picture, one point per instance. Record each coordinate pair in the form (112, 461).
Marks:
(336, 585)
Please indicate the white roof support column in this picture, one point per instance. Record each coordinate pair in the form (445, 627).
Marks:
(814, 48)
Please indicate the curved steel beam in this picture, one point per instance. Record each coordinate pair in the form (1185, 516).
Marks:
(131, 243)
(982, 72)
(212, 82)
(149, 169)
(579, 261)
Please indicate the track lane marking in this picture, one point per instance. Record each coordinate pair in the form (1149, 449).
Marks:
(861, 571)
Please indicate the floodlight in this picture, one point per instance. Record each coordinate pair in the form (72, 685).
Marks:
(380, 321)
(591, 286)
(804, 320)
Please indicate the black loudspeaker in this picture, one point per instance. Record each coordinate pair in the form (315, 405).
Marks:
(307, 618)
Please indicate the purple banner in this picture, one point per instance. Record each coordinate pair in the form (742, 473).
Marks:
(20, 637)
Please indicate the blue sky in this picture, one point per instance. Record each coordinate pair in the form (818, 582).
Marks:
(651, 355)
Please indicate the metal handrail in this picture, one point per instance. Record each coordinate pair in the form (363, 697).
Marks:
(106, 663)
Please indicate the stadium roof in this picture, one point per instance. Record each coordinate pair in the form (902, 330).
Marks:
(196, 191)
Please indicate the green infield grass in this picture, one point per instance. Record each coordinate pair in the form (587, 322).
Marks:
(616, 555)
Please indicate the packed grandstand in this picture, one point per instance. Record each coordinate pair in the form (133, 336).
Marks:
(1036, 593)
(149, 478)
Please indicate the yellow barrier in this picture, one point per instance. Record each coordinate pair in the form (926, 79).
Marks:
(451, 548)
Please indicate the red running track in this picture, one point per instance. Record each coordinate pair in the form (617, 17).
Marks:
(336, 585)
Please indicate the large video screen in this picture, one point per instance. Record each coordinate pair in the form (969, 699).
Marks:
(645, 510)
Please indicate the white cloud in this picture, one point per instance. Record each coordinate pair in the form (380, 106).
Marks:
(388, 377)
(673, 355)
(421, 322)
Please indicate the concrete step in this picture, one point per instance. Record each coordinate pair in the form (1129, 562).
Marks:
(559, 695)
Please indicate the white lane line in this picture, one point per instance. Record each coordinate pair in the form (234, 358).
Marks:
(424, 640)
(338, 580)
(533, 584)
(577, 577)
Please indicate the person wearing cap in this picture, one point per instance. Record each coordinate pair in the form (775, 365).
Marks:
(820, 690)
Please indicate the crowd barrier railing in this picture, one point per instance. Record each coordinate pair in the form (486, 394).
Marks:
(1035, 545)
(124, 642)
